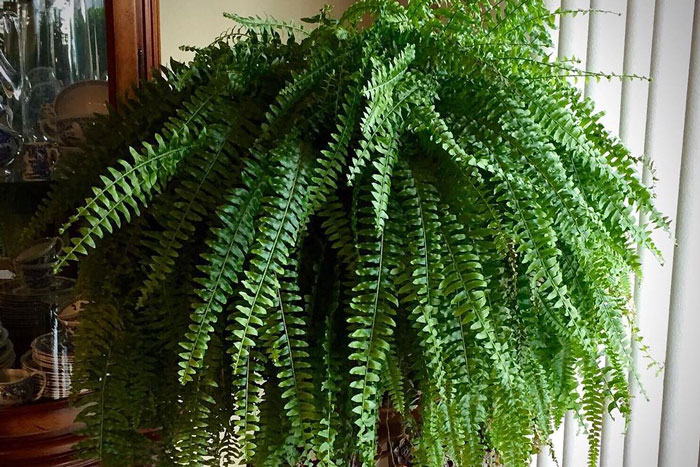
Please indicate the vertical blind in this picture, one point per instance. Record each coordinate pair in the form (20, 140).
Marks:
(660, 121)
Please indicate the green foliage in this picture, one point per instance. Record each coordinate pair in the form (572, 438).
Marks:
(408, 208)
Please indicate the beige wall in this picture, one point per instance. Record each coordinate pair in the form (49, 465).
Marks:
(198, 22)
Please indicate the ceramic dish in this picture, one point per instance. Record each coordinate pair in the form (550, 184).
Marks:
(43, 252)
(18, 387)
(71, 312)
(27, 363)
(82, 99)
(50, 345)
(68, 317)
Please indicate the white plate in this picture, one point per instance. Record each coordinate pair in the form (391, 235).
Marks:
(82, 99)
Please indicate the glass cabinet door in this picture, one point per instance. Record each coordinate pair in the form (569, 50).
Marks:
(53, 70)
(61, 62)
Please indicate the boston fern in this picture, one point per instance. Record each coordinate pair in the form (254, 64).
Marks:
(409, 209)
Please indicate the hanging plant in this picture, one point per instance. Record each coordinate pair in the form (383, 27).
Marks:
(420, 213)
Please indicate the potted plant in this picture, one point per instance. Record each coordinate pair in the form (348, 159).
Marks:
(421, 211)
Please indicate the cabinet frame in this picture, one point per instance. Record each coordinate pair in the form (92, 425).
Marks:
(133, 44)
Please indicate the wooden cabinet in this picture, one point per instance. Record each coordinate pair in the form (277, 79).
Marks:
(42, 433)
(133, 33)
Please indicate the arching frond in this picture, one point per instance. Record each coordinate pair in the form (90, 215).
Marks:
(408, 210)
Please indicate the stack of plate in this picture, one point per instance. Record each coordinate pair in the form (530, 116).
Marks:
(7, 350)
(52, 354)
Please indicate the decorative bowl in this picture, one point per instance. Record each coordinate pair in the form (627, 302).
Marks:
(18, 386)
(41, 253)
(82, 99)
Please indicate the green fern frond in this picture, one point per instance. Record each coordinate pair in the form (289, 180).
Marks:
(248, 396)
(289, 353)
(194, 434)
(326, 449)
(205, 184)
(329, 167)
(266, 25)
(228, 246)
(123, 191)
(357, 10)
(126, 189)
(379, 115)
(594, 408)
(372, 309)
(471, 279)
(96, 361)
(338, 230)
(278, 230)
(464, 286)
(321, 64)
(424, 269)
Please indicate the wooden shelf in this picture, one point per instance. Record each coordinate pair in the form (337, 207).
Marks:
(40, 434)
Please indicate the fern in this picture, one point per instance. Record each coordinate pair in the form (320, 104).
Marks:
(464, 286)
(229, 245)
(372, 321)
(331, 379)
(408, 209)
(279, 227)
(380, 114)
(289, 354)
(123, 191)
(205, 179)
(265, 25)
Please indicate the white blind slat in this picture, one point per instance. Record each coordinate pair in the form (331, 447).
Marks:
(573, 44)
(606, 47)
(573, 35)
(680, 423)
(544, 459)
(633, 111)
(663, 141)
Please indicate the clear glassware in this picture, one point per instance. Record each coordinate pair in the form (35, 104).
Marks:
(10, 77)
(50, 51)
